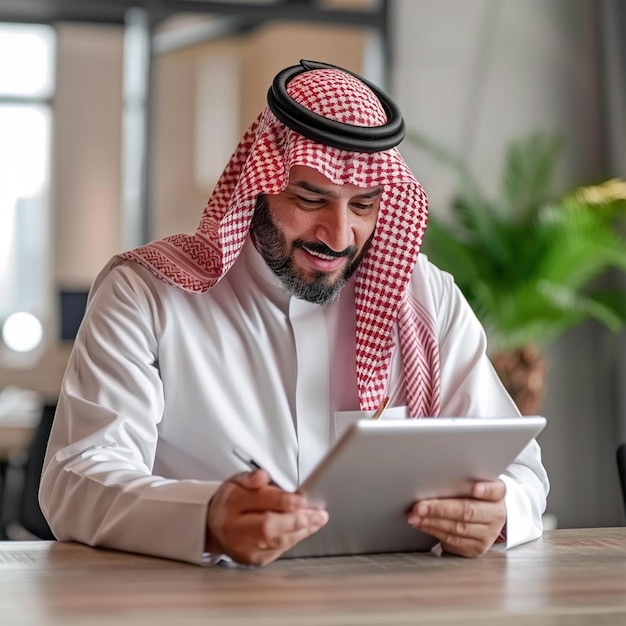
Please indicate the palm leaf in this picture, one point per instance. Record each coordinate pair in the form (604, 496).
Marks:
(581, 305)
(528, 174)
(578, 246)
(607, 198)
(472, 212)
(525, 261)
(455, 255)
(482, 225)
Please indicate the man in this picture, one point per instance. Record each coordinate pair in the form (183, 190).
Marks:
(300, 298)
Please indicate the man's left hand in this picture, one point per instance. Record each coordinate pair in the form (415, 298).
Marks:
(464, 526)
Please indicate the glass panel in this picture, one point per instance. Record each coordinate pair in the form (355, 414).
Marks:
(27, 60)
(25, 132)
(26, 71)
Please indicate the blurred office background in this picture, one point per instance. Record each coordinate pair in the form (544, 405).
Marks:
(117, 117)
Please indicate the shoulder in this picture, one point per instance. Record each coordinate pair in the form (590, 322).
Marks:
(124, 286)
(440, 298)
(120, 277)
(431, 286)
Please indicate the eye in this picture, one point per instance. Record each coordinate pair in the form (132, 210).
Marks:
(309, 203)
(362, 207)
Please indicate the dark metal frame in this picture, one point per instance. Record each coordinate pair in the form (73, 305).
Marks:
(114, 11)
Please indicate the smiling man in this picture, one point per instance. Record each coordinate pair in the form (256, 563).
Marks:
(314, 234)
(299, 303)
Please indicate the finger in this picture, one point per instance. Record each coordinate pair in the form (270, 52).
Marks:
(274, 499)
(492, 490)
(462, 545)
(254, 491)
(285, 542)
(252, 480)
(464, 510)
(466, 527)
(281, 531)
(444, 529)
(467, 509)
(258, 543)
(458, 537)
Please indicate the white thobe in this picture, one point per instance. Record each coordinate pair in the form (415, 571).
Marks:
(163, 384)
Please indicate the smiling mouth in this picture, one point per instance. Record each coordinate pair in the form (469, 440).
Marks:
(324, 261)
(324, 256)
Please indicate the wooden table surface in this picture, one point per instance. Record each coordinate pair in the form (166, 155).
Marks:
(567, 577)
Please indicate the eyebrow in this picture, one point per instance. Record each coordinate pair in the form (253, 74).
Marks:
(325, 192)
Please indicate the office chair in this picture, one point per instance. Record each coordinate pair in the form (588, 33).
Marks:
(621, 469)
(30, 516)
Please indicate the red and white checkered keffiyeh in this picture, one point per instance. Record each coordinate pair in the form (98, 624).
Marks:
(261, 165)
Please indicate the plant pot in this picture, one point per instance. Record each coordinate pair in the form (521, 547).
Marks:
(523, 373)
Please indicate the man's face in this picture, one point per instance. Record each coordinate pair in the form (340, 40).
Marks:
(314, 234)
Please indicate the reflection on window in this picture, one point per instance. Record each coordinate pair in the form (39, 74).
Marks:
(26, 85)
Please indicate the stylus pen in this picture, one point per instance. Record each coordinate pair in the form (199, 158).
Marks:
(381, 409)
(252, 464)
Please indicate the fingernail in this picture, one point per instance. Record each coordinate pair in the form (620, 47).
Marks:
(422, 509)
(321, 518)
(415, 520)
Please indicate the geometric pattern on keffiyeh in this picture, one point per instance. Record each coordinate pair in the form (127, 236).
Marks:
(260, 165)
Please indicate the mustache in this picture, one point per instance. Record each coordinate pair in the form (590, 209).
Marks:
(320, 248)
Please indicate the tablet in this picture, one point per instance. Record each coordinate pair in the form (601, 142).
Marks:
(377, 469)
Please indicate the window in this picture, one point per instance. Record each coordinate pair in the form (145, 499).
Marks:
(26, 90)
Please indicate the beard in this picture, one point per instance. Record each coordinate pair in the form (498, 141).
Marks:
(321, 287)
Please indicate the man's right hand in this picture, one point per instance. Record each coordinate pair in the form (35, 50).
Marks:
(254, 522)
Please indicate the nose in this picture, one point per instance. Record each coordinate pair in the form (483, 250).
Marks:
(334, 228)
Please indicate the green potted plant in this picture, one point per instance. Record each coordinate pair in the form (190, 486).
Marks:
(530, 263)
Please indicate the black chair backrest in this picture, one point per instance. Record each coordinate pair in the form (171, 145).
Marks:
(621, 469)
(31, 517)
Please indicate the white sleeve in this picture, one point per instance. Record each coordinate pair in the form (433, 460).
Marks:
(97, 485)
(470, 387)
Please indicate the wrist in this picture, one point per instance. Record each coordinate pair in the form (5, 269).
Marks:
(211, 544)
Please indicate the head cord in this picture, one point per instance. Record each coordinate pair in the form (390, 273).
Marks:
(328, 131)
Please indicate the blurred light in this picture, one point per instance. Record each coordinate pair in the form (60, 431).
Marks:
(27, 60)
(22, 332)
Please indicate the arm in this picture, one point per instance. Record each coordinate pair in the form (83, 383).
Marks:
(470, 387)
(98, 485)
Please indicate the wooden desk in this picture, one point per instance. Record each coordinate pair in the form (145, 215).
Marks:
(574, 577)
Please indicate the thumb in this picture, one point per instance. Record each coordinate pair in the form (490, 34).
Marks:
(253, 481)
(492, 491)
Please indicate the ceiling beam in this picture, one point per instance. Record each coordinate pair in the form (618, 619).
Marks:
(113, 11)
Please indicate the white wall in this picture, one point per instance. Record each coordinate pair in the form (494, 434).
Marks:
(87, 144)
(475, 74)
